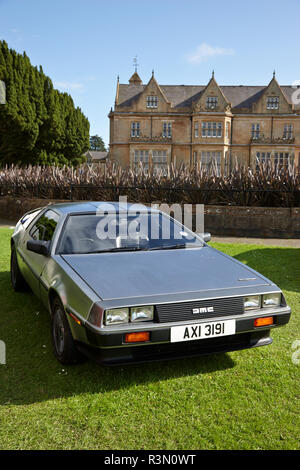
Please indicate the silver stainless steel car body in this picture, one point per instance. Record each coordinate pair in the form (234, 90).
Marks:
(176, 278)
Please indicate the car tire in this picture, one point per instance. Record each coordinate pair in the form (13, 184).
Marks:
(63, 343)
(17, 280)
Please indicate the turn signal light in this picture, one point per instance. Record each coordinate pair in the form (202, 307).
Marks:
(264, 321)
(75, 318)
(139, 337)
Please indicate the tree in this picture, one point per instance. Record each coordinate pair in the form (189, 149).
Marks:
(38, 124)
(96, 143)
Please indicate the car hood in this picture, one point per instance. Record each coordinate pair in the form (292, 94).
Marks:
(148, 273)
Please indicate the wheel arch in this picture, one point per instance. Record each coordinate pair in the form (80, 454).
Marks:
(52, 294)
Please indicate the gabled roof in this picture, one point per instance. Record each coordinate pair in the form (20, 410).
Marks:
(153, 83)
(182, 96)
(96, 154)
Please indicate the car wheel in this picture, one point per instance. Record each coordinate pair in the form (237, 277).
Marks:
(64, 346)
(17, 280)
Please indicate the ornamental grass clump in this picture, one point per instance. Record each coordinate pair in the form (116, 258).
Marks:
(268, 186)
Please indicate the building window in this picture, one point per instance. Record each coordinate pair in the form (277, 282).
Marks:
(288, 131)
(282, 159)
(272, 102)
(167, 130)
(141, 158)
(262, 158)
(211, 129)
(211, 161)
(211, 102)
(135, 129)
(159, 161)
(227, 130)
(255, 131)
(227, 164)
(196, 129)
(152, 101)
(195, 158)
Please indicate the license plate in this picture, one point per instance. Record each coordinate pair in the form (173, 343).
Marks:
(202, 330)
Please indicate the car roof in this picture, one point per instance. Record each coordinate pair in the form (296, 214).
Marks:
(93, 206)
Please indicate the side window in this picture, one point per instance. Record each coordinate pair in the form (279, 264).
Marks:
(27, 218)
(44, 227)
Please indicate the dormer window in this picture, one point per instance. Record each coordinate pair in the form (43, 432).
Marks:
(212, 102)
(272, 102)
(152, 101)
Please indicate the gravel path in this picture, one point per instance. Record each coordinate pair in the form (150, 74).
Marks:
(292, 243)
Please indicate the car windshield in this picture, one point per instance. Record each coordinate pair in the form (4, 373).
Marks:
(116, 232)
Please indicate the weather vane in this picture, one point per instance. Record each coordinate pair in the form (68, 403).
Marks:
(135, 63)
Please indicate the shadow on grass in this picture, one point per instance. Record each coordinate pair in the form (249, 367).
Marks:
(280, 265)
(32, 373)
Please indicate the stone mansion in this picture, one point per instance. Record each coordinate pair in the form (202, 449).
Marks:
(215, 125)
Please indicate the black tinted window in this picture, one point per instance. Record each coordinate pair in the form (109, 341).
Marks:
(44, 227)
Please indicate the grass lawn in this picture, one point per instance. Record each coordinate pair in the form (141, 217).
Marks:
(240, 400)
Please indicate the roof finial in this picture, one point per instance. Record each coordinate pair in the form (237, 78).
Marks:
(274, 74)
(213, 74)
(152, 72)
(117, 93)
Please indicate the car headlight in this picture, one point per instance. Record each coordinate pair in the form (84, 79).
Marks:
(116, 316)
(252, 302)
(144, 313)
(271, 300)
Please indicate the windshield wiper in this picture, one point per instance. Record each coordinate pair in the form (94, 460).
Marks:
(168, 247)
(175, 247)
(116, 249)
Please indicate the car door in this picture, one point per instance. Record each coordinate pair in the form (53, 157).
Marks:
(43, 228)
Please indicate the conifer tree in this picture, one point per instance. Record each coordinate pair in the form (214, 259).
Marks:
(38, 124)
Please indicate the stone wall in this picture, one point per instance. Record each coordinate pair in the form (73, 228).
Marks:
(264, 222)
(12, 208)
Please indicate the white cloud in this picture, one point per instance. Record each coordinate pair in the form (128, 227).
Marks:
(73, 86)
(204, 52)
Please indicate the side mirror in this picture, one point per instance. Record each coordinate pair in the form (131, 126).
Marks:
(205, 236)
(39, 246)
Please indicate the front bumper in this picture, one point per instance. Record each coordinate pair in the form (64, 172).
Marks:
(107, 345)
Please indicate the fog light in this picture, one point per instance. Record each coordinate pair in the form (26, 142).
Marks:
(139, 337)
(264, 321)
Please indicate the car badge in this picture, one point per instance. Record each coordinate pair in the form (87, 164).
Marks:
(203, 310)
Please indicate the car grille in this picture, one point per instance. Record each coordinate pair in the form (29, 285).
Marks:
(184, 310)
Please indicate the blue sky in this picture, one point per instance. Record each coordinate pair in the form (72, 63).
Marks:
(84, 44)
